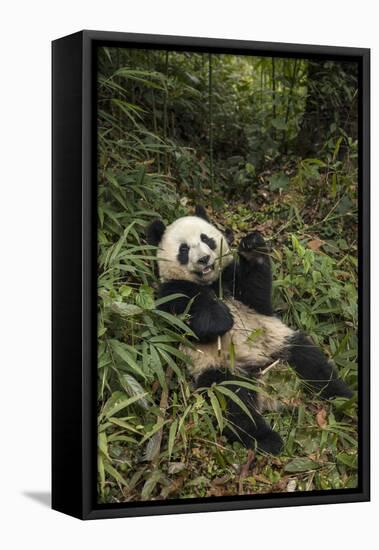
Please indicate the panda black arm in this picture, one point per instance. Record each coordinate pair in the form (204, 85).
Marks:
(250, 278)
(209, 317)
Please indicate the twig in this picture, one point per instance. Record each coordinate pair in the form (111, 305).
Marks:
(264, 371)
(245, 470)
(163, 407)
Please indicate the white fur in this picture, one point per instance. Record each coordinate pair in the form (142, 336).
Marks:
(188, 230)
(254, 340)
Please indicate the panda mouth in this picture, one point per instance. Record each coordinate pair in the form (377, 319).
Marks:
(205, 271)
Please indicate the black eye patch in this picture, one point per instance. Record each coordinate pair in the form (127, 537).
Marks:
(183, 254)
(208, 241)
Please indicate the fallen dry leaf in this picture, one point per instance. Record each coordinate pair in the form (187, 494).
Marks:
(315, 244)
(321, 418)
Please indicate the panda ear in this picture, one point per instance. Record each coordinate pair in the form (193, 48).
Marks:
(229, 235)
(200, 212)
(154, 232)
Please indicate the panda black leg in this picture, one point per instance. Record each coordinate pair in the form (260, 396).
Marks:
(245, 429)
(313, 367)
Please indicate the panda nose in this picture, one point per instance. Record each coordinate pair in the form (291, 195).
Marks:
(204, 260)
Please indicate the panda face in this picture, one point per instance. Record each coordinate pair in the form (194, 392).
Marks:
(192, 249)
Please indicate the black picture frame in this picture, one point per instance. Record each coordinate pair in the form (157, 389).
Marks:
(74, 275)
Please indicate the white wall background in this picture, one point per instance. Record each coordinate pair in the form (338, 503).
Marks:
(26, 31)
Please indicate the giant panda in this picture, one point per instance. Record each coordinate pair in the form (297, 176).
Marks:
(194, 260)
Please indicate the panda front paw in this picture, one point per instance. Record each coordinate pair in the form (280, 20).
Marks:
(210, 321)
(253, 248)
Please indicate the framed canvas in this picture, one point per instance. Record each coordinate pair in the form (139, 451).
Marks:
(210, 275)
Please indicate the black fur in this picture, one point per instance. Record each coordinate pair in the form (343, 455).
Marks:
(211, 376)
(208, 241)
(209, 317)
(246, 430)
(200, 212)
(229, 236)
(183, 254)
(313, 367)
(249, 279)
(154, 232)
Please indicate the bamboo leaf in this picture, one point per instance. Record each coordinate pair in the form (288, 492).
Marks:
(171, 437)
(234, 397)
(125, 355)
(123, 403)
(115, 474)
(216, 408)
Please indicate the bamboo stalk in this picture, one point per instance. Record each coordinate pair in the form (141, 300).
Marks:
(289, 101)
(273, 86)
(210, 101)
(166, 158)
(220, 294)
(155, 125)
(119, 96)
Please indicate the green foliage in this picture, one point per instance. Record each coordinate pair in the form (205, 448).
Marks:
(160, 146)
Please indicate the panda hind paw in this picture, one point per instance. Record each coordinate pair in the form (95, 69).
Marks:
(336, 388)
(271, 443)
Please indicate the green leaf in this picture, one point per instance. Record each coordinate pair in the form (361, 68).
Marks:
(125, 355)
(123, 403)
(278, 181)
(255, 334)
(114, 473)
(101, 473)
(174, 321)
(145, 298)
(350, 460)
(250, 168)
(169, 298)
(234, 397)
(156, 366)
(150, 484)
(115, 250)
(171, 437)
(279, 123)
(152, 447)
(123, 424)
(157, 427)
(126, 310)
(103, 443)
(243, 384)
(132, 387)
(115, 397)
(217, 410)
(301, 465)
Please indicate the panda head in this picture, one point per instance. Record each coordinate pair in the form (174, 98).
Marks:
(190, 249)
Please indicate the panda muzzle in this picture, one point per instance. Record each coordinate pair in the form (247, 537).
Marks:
(205, 270)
